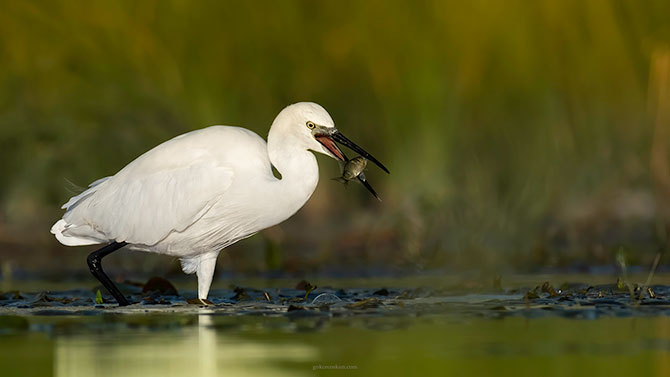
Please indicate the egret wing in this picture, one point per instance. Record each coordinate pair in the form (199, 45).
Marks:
(145, 208)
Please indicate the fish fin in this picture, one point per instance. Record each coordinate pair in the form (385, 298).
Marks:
(341, 164)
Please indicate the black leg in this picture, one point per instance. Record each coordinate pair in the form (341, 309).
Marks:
(95, 264)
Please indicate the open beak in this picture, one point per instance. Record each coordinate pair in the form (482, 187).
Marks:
(327, 141)
(367, 186)
(328, 136)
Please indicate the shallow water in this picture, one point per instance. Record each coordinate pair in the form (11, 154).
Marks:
(210, 345)
(585, 330)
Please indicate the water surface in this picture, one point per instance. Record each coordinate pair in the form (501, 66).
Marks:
(579, 330)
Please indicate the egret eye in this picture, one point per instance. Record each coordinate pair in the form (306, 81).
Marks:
(311, 125)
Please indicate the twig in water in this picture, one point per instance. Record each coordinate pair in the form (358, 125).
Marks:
(650, 276)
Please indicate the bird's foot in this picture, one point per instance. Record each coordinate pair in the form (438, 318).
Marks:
(199, 301)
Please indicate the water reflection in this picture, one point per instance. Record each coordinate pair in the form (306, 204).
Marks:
(209, 344)
(193, 350)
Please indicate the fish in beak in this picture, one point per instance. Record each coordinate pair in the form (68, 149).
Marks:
(327, 136)
(330, 136)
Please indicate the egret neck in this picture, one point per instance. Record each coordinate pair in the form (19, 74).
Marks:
(298, 169)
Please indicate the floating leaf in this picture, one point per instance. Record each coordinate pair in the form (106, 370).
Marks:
(304, 284)
(160, 285)
(381, 292)
(241, 294)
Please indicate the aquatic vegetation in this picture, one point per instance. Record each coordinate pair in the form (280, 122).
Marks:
(571, 299)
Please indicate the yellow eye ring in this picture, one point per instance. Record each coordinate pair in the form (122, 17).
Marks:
(311, 125)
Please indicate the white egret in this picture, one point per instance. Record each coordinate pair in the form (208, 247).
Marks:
(199, 192)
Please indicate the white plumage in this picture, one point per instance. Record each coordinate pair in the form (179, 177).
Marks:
(199, 192)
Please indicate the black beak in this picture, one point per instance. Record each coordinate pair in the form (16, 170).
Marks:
(328, 137)
(338, 137)
(367, 186)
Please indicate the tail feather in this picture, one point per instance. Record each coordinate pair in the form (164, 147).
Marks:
(93, 187)
(60, 226)
(78, 235)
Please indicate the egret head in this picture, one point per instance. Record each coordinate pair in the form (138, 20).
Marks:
(311, 126)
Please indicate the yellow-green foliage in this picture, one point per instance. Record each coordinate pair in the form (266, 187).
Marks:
(493, 116)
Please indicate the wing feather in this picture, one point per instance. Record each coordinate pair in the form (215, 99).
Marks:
(166, 190)
(145, 209)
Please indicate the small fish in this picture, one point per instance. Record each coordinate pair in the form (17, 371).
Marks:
(352, 170)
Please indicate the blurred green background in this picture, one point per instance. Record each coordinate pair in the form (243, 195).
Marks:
(520, 135)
